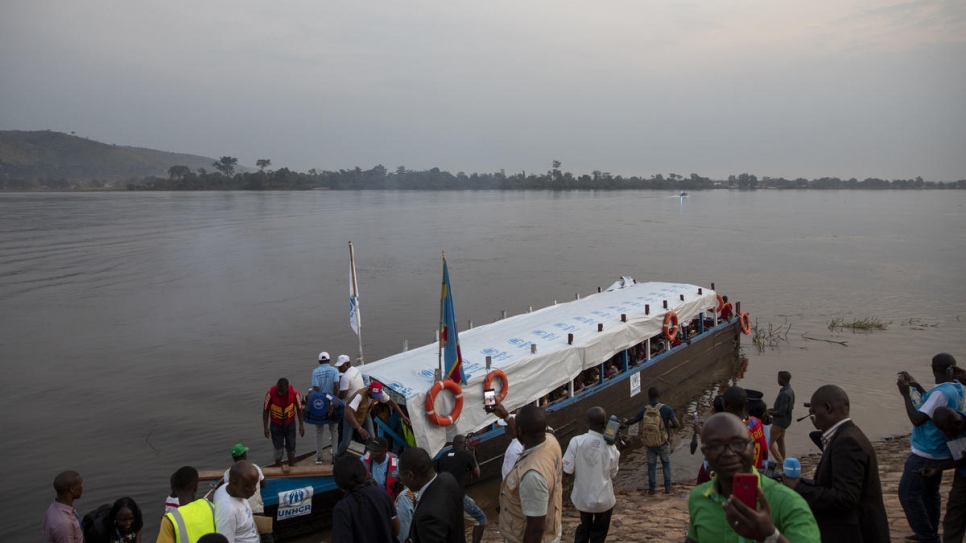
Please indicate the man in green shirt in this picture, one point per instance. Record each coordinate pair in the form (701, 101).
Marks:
(782, 515)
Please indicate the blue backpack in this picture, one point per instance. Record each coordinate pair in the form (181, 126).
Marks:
(317, 408)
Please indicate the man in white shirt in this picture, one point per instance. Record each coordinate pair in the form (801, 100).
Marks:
(593, 462)
(351, 380)
(238, 453)
(233, 516)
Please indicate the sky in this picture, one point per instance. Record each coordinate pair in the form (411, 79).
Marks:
(844, 88)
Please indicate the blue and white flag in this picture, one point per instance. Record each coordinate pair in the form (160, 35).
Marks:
(355, 319)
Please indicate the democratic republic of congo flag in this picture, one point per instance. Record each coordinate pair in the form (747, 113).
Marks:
(449, 341)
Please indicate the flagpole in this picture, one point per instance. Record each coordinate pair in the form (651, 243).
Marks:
(442, 298)
(354, 295)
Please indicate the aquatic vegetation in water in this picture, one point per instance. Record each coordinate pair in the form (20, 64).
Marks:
(866, 324)
(763, 338)
(917, 324)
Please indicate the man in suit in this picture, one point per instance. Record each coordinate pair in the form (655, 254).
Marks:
(438, 517)
(846, 497)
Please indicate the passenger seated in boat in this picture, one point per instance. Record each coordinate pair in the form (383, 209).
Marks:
(727, 310)
(578, 384)
(610, 370)
(638, 354)
(657, 345)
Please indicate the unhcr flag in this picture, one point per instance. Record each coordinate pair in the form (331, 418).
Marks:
(355, 319)
(449, 341)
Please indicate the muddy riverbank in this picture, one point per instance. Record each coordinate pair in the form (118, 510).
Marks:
(664, 518)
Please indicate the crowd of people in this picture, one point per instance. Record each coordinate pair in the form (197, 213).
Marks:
(739, 495)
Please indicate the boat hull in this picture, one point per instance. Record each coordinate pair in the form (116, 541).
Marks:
(682, 375)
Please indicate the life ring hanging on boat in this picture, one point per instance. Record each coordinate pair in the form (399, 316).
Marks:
(671, 325)
(720, 303)
(745, 321)
(436, 418)
(488, 384)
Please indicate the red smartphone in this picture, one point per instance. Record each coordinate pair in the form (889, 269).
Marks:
(744, 486)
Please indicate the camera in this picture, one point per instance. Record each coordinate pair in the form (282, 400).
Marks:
(614, 433)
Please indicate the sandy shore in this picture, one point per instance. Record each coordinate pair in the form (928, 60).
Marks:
(662, 517)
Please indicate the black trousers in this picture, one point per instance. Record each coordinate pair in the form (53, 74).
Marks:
(593, 527)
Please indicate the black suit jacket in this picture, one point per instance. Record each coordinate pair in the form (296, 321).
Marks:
(847, 495)
(438, 517)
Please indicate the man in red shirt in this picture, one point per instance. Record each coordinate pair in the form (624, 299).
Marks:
(726, 310)
(282, 405)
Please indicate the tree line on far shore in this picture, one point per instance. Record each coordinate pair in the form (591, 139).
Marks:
(379, 178)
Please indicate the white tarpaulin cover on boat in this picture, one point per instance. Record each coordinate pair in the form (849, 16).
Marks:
(555, 363)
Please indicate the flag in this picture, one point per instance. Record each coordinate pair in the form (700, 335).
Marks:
(449, 341)
(355, 319)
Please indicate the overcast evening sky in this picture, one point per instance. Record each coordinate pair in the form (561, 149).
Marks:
(811, 88)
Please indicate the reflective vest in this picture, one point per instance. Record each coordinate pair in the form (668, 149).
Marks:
(192, 521)
(392, 471)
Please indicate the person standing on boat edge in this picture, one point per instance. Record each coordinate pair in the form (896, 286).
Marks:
(717, 516)
(531, 496)
(61, 523)
(233, 516)
(657, 420)
(356, 417)
(325, 377)
(325, 412)
(919, 495)
(438, 516)
(846, 496)
(281, 407)
(782, 412)
(461, 463)
(350, 380)
(593, 462)
(193, 518)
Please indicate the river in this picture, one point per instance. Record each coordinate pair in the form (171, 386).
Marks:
(140, 331)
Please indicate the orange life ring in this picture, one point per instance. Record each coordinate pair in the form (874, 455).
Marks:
(745, 321)
(720, 303)
(671, 325)
(435, 417)
(488, 384)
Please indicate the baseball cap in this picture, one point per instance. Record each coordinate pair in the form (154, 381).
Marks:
(343, 358)
(378, 443)
(323, 356)
(238, 450)
(375, 390)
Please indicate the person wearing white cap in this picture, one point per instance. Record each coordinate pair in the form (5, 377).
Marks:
(351, 381)
(325, 379)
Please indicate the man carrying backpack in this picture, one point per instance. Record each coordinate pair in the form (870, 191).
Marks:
(655, 421)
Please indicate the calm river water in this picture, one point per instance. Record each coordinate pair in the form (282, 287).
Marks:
(139, 332)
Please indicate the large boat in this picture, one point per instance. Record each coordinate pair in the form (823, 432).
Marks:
(604, 349)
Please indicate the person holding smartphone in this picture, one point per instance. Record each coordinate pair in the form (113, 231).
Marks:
(738, 502)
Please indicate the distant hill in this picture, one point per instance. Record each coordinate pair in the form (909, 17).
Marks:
(50, 155)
